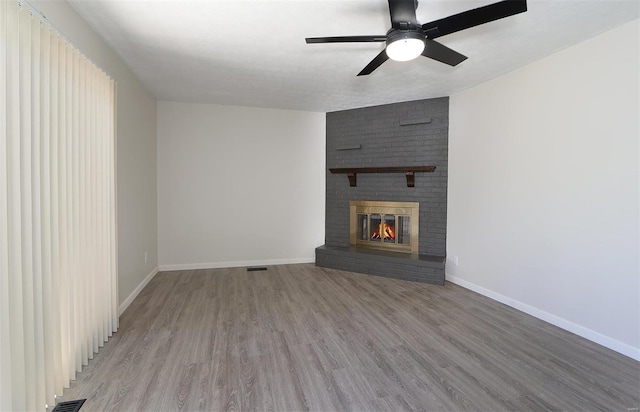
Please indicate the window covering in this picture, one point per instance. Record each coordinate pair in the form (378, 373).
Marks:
(58, 280)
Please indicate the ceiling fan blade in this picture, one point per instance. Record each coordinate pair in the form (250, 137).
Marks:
(346, 39)
(403, 11)
(474, 17)
(442, 53)
(375, 63)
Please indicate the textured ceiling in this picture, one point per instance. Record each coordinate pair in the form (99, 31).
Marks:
(253, 53)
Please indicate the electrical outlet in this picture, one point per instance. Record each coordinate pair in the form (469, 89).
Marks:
(455, 260)
(146, 256)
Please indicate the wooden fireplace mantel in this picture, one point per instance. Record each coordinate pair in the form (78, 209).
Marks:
(352, 172)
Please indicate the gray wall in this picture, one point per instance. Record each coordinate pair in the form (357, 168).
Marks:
(384, 142)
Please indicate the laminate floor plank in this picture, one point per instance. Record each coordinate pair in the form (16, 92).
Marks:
(355, 392)
(418, 382)
(304, 338)
(389, 403)
(318, 391)
(264, 394)
(287, 394)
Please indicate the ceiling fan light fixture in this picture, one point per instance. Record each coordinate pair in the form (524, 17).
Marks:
(405, 45)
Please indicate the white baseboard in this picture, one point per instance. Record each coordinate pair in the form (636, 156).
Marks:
(620, 347)
(218, 265)
(124, 305)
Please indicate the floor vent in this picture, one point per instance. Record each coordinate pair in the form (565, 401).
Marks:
(256, 268)
(71, 406)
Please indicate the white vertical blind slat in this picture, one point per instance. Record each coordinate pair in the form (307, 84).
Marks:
(5, 342)
(102, 333)
(79, 220)
(88, 208)
(114, 206)
(48, 331)
(93, 207)
(56, 326)
(86, 190)
(66, 212)
(58, 283)
(27, 133)
(75, 219)
(37, 190)
(103, 198)
(16, 278)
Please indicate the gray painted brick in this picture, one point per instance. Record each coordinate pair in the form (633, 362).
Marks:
(383, 142)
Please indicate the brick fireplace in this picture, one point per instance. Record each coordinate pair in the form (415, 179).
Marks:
(389, 137)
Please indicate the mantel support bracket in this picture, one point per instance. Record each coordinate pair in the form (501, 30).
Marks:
(353, 179)
(410, 179)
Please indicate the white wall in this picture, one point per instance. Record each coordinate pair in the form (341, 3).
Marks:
(136, 140)
(544, 189)
(239, 186)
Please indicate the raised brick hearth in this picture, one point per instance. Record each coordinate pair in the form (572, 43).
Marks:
(402, 134)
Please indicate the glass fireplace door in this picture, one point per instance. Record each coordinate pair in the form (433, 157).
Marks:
(385, 225)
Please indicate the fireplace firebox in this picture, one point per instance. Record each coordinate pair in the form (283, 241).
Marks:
(391, 226)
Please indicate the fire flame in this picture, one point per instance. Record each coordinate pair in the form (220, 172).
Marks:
(387, 230)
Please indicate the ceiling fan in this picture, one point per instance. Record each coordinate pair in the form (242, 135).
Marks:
(408, 39)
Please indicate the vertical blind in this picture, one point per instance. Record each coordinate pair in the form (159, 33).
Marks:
(58, 291)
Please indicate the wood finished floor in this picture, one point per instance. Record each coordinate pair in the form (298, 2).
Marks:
(299, 337)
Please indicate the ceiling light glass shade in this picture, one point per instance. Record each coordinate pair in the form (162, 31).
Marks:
(405, 49)
(403, 45)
